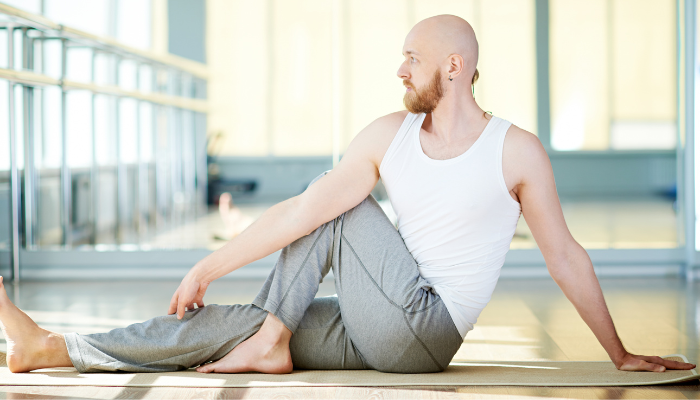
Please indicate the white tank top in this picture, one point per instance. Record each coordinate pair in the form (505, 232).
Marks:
(455, 216)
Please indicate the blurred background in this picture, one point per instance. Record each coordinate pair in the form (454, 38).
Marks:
(122, 122)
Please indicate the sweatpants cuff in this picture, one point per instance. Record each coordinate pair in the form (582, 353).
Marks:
(74, 351)
(274, 309)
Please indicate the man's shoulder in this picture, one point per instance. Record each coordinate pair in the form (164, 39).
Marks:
(523, 154)
(384, 128)
(520, 135)
(521, 143)
(391, 121)
(376, 137)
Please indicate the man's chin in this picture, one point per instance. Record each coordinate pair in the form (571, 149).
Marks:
(409, 104)
(412, 109)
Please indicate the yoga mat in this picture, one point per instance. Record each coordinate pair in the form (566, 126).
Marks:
(473, 373)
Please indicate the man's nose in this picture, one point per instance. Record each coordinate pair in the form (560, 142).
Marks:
(402, 72)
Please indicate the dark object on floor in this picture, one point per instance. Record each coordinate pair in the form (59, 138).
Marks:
(233, 186)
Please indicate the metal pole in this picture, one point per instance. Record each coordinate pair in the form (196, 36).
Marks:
(14, 175)
(94, 168)
(192, 164)
(188, 147)
(688, 198)
(44, 142)
(35, 107)
(29, 167)
(121, 175)
(66, 190)
(200, 161)
(175, 164)
(160, 159)
(157, 218)
(175, 141)
(200, 150)
(542, 57)
(141, 172)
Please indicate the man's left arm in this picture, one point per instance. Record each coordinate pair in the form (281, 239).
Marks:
(527, 166)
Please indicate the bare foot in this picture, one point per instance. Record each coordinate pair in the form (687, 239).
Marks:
(29, 347)
(227, 210)
(266, 351)
(234, 220)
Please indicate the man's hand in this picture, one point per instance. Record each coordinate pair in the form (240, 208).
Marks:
(190, 292)
(632, 362)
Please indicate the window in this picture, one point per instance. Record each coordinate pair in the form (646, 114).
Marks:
(613, 74)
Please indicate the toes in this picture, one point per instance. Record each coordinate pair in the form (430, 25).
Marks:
(207, 368)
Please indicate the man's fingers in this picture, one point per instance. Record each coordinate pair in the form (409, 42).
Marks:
(199, 300)
(637, 364)
(185, 297)
(180, 309)
(670, 364)
(186, 300)
(173, 304)
(647, 366)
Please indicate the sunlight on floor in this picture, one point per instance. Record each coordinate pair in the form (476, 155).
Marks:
(596, 224)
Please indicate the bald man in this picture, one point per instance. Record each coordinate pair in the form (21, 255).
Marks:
(458, 179)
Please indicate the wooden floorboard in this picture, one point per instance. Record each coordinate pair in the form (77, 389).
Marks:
(689, 391)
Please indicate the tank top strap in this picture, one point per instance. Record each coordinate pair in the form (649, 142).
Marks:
(402, 137)
(500, 131)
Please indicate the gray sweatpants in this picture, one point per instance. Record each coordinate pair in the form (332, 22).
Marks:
(385, 316)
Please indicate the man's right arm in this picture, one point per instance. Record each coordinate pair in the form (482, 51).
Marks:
(341, 189)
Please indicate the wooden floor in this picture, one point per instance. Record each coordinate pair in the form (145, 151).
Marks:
(526, 320)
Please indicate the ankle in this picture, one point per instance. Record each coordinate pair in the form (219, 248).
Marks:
(55, 351)
(275, 329)
(273, 337)
(54, 341)
(50, 344)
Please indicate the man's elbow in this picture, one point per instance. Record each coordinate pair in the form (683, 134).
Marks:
(566, 261)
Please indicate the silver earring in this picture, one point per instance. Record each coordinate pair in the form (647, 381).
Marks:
(449, 77)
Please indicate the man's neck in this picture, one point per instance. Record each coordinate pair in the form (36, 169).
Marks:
(455, 119)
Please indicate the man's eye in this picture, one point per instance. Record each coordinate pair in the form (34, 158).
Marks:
(413, 59)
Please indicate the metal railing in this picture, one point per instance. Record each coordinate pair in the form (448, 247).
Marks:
(152, 192)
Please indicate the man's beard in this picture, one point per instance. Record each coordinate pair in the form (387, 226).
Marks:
(426, 99)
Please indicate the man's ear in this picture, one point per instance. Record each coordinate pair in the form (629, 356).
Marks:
(456, 65)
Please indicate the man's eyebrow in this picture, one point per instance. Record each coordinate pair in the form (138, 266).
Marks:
(410, 52)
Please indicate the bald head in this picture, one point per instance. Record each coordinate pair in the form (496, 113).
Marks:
(439, 37)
